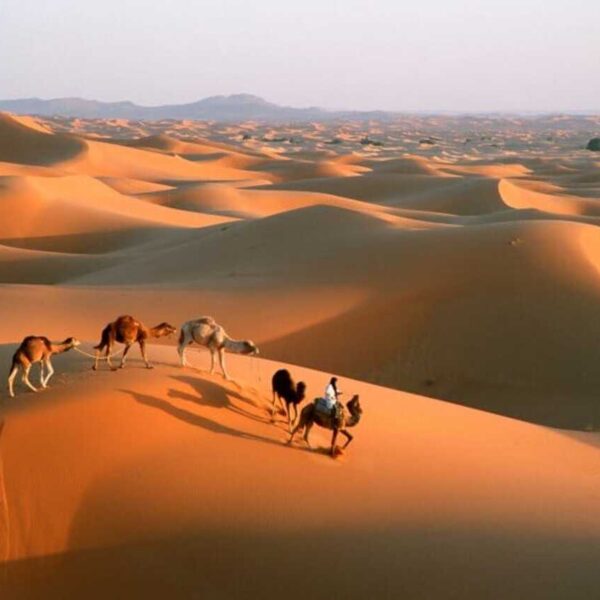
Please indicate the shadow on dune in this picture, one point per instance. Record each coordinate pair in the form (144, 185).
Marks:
(395, 562)
(204, 388)
(195, 419)
(24, 145)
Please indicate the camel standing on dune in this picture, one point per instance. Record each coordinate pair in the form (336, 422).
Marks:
(35, 349)
(127, 330)
(206, 332)
(284, 388)
(311, 415)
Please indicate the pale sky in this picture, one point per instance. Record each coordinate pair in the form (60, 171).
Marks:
(460, 55)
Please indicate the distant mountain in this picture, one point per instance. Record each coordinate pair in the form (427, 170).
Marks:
(238, 107)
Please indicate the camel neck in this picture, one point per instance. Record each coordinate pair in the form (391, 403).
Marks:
(59, 348)
(233, 345)
(353, 420)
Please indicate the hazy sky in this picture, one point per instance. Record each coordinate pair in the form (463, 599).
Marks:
(390, 54)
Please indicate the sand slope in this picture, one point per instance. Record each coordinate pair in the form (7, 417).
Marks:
(147, 464)
(468, 279)
(464, 268)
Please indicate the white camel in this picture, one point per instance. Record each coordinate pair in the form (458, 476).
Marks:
(206, 332)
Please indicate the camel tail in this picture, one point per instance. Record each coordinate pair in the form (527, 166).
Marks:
(103, 339)
(181, 336)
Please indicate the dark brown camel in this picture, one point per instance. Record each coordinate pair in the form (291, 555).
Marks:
(126, 330)
(311, 416)
(287, 391)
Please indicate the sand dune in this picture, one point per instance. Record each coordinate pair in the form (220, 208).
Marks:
(464, 269)
(24, 142)
(124, 185)
(230, 199)
(134, 453)
(518, 196)
(80, 204)
(376, 187)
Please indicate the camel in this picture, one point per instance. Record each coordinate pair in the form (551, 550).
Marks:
(35, 349)
(311, 415)
(287, 391)
(127, 330)
(206, 332)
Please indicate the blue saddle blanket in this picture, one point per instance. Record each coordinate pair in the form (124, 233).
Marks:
(324, 406)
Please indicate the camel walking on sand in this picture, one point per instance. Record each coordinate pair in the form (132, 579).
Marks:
(206, 332)
(127, 330)
(284, 388)
(35, 349)
(312, 415)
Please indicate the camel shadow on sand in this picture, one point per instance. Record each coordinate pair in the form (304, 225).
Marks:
(208, 394)
(211, 393)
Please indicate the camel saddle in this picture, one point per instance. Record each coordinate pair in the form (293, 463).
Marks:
(323, 406)
(326, 411)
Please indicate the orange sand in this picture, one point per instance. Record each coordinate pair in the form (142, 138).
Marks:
(465, 273)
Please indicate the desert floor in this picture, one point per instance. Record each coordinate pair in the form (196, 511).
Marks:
(446, 269)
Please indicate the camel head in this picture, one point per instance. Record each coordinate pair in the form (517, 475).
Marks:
(163, 329)
(250, 348)
(71, 342)
(301, 390)
(354, 406)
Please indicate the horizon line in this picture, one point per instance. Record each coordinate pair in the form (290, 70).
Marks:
(398, 111)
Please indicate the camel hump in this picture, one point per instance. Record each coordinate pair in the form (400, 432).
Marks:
(281, 379)
(206, 321)
(36, 339)
(126, 320)
(205, 325)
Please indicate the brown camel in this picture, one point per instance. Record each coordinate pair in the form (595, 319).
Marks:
(127, 330)
(35, 349)
(284, 388)
(310, 416)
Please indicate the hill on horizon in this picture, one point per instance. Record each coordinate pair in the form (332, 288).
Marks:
(234, 107)
(219, 108)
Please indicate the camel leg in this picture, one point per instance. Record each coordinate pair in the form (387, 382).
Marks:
(302, 424)
(294, 432)
(333, 439)
(181, 348)
(11, 381)
(295, 413)
(222, 363)
(143, 349)
(42, 374)
(181, 352)
(276, 397)
(307, 429)
(349, 437)
(50, 372)
(127, 347)
(25, 379)
(273, 405)
(109, 347)
(97, 360)
(212, 361)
